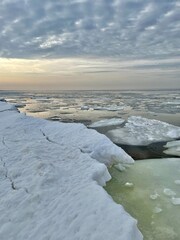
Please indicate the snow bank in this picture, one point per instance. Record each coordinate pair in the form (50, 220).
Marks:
(143, 131)
(50, 182)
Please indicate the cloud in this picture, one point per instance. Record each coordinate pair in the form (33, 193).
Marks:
(119, 29)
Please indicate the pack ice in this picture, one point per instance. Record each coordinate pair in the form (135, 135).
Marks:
(143, 131)
(51, 178)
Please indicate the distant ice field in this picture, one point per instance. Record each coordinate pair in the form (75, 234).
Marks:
(91, 106)
(124, 116)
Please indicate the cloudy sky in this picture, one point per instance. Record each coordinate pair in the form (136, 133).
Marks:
(88, 44)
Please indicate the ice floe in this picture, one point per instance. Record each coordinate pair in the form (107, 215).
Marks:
(51, 182)
(157, 210)
(169, 192)
(177, 182)
(84, 108)
(175, 201)
(109, 108)
(107, 122)
(173, 148)
(143, 131)
(154, 196)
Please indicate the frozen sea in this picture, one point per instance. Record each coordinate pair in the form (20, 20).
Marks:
(146, 124)
(90, 106)
(107, 112)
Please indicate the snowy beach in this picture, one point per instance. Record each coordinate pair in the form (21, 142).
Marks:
(51, 181)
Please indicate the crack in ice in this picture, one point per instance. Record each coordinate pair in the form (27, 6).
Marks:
(4, 142)
(47, 138)
(7, 175)
(51, 141)
(6, 110)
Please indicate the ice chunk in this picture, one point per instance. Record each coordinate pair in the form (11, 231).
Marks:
(157, 210)
(154, 196)
(110, 154)
(169, 192)
(172, 144)
(107, 122)
(109, 108)
(143, 131)
(102, 175)
(120, 167)
(129, 185)
(177, 182)
(173, 148)
(175, 201)
(174, 151)
(84, 108)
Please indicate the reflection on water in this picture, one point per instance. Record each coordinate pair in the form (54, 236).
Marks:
(150, 192)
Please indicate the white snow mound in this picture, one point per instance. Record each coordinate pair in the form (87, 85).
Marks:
(51, 178)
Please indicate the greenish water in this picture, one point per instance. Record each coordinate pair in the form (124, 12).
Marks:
(150, 192)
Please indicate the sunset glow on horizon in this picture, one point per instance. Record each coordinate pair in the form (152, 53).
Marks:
(114, 44)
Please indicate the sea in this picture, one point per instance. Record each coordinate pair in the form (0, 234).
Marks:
(150, 189)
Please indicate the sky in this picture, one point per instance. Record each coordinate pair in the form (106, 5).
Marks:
(86, 44)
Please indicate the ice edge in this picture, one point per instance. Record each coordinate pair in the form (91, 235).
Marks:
(50, 177)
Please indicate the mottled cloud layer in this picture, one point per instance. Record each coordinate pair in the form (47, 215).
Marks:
(120, 29)
(91, 44)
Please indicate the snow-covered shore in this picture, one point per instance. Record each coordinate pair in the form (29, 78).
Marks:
(51, 178)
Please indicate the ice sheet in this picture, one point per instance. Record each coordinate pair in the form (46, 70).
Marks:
(51, 178)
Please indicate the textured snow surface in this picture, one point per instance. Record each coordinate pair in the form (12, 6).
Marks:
(107, 122)
(143, 131)
(173, 148)
(51, 178)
